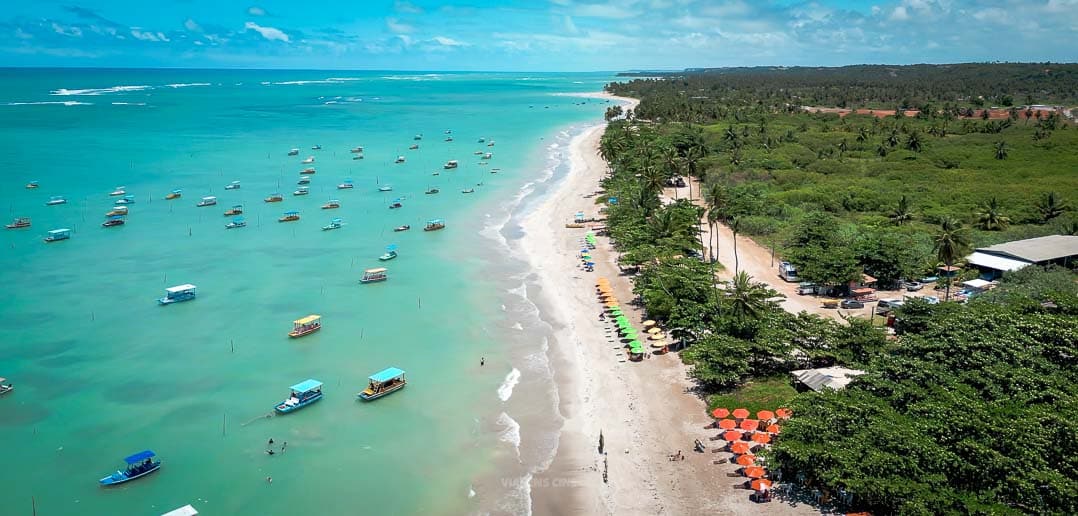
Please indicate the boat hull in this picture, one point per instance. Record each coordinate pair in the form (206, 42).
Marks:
(297, 334)
(121, 477)
(284, 408)
(373, 396)
(6, 389)
(171, 300)
(372, 280)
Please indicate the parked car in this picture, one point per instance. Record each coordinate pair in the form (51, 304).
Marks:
(932, 300)
(913, 286)
(850, 302)
(806, 288)
(887, 305)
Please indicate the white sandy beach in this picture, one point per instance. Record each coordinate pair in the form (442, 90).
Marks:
(644, 410)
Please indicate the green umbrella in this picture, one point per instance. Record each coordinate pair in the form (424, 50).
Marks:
(622, 319)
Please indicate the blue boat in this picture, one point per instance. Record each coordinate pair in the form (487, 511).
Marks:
(383, 382)
(237, 222)
(391, 253)
(58, 234)
(177, 294)
(127, 199)
(138, 465)
(303, 394)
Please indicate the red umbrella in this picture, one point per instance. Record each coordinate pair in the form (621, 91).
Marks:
(760, 483)
(746, 460)
(741, 413)
(740, 447)
(720, 413)
(754, 471)
(765, 415)
(732, 435)
(784, 413)
(761, 438)
(774, 429)
(750, 424)
(727, 424)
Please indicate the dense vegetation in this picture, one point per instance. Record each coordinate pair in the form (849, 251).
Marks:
(973, 408)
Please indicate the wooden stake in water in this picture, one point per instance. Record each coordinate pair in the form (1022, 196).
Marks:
(233, 344)
(222, 425)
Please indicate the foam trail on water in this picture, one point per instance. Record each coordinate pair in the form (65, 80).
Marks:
(97, 91)
(505, 390)
(55, 103)
(511, 432)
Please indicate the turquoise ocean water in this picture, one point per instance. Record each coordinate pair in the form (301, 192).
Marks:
(101, 371)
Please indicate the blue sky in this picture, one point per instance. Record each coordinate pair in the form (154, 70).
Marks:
(536, 35)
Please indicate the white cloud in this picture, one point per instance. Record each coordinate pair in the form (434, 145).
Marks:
(610, 10)
(192, 26)
(270, 33)
(407, 7)
(66, 31)
(570, 27)
(900, 14)
(398, 27)
(254, 10)
(448, 42)
(147, 35)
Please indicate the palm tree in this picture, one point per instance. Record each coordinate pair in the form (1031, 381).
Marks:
(735, 226)
(892, 139)
(902, 213)
(1001, 150)
(990, 217)
(862, 135)
(747, 298)
(952, 243)
(1051, 206)
(913, 142)
(715, 198)
(881, 150)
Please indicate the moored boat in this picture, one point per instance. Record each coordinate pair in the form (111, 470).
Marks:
(481, 140)
(383, 382)
(488, 155)
(293, 152)
(332, 204)
(357, 156)
(356, 150)
(468, 190)
(395, 204)
(19, 222)
(236, 209)
(414, 146)
(117, 210)
(308, 161)
(56, 199)
(115, 220)
(333, 224)
(178, 294)
(127, 199)
(346, 185)
(118, 191)
(303, 190)
(405, 227)
(307, 171)
(434, 225)
(55, 235)
(302, 394)
(451, 164)
(448, 138)
(175, 194)
(417, 137)
(391, 253)
(138, 466)
(306, 326)
(304, 180)
(5, 387)
(400, 159)
(31, 185)
(207, 201)
(385, 188)
(374, 275)
(274, 197)
(238, 222)
(316, 147)
(235, 185)
(289, 216)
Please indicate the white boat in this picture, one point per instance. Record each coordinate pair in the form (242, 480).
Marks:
(385, 188)
(357, 156)
(417, 137)
(316, 147)
(356, 150)
(307, 171)
(468, 190)
(346, 185)
(491, 144)
(448, 138)
(333, 224)
(304, 180)
(451, 164)
(207, 201)
(293, 152)
(309, 160)
(488, 155)
(481, 140)
(56, 199)
(118, 191)
(400, 159)
(303, 190)
(235, 185)
(414, 146)
(237, 222)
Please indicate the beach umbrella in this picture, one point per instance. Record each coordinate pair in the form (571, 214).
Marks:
(749, 424)
(739, 447)
(746, 460)
(774, 429)
(648, 323)
(732, 435)
(764, 415)
(657, 336)
(727, 424)
(760, 484)
(754, 471)
(611, 304)
(636, 344)
(761, 438)
(616, 310)
(741, 413)
(658, 343)
(718, 413)
(655, 329)
(784, 413)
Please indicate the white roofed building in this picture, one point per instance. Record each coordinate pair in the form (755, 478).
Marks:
(994, 260)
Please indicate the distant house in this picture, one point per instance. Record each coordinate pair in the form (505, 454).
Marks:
(994, 260)
(826, 377)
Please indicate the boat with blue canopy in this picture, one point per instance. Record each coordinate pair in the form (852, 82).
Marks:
(391, 253)
(138, 465)
(237, 222)
(55, 200)
(303, 394)
(127, 199)
(383, 382)
(178, 294)
(58, 234)
(333, 224)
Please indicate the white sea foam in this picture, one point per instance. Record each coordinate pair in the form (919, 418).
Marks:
(128, 103)
(517, 326)
(342, 79)
(510, 433)
(54, 103)
(188, 84)
(521, 291)
(505, 390)
(471, 492)
(62, 92)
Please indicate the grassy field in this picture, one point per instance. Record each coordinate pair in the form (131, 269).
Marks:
(760, 394)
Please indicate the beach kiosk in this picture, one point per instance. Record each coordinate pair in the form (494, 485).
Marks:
(383, 382)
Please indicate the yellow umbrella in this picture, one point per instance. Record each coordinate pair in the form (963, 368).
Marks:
(655, 329)
(657, 336)
(658, 343)
(649, 322)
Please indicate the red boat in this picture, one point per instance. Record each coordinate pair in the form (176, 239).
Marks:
(19, 222)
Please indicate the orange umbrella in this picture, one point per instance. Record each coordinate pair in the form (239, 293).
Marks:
(731, 435)
(750, 424)
(761, 438)
(754, 471)
(746, 460)
(774, 429)
(727, 424)
(784, 413)
(611, 304)
(765, 414)
(740, 447)
(720, 413)
(760, 483)
(741, 413)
